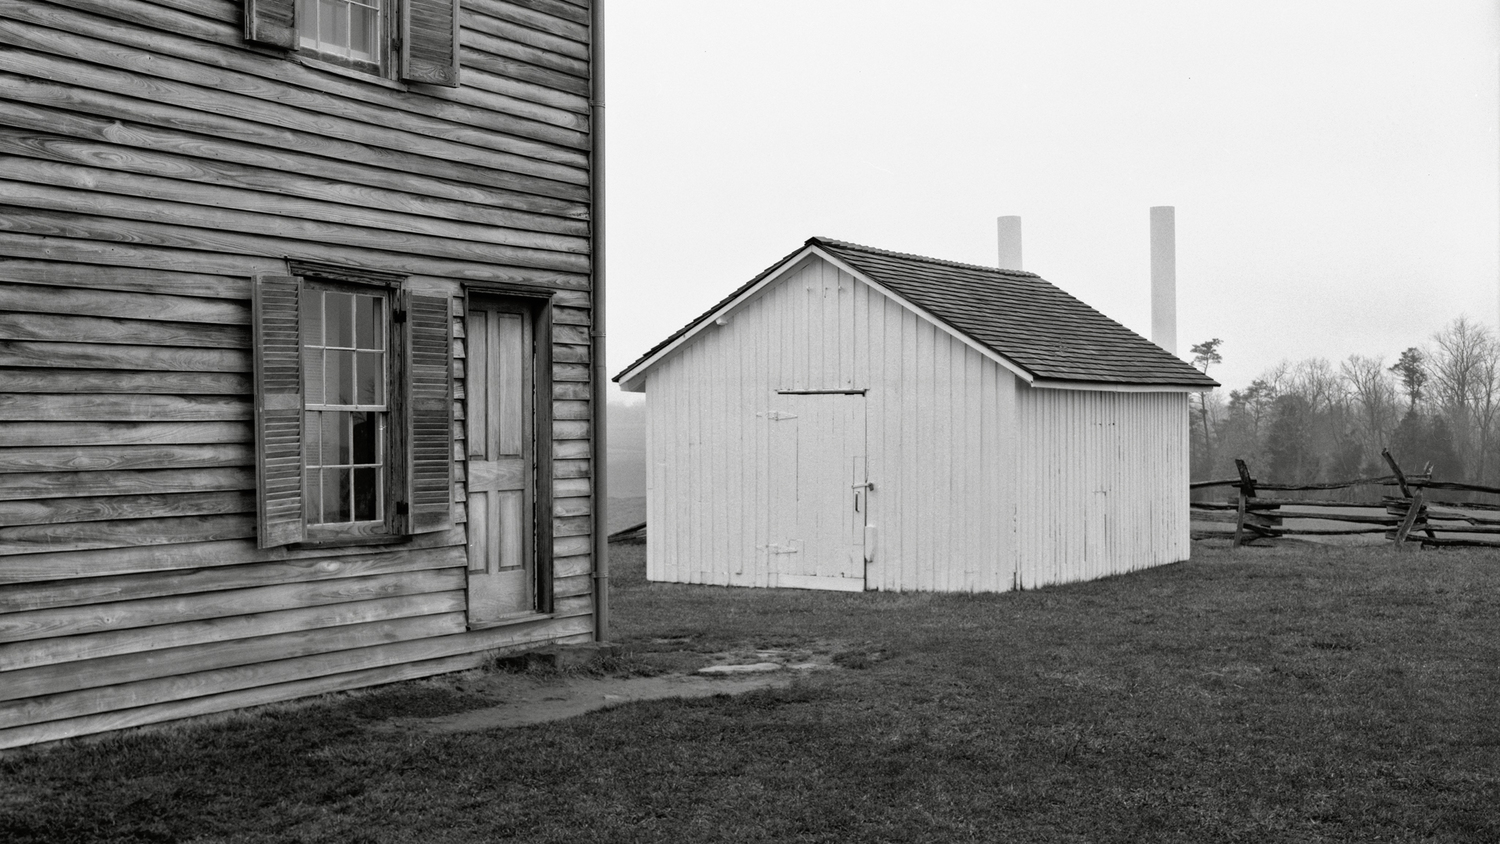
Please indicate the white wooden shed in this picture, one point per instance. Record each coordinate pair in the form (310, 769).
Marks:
(855, 419)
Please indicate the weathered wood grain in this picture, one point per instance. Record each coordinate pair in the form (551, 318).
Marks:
(185, 205)
(24, 568)
(38, 380)
(235, 96)
(148, 692)
(575, 12)
(159, 662)
(92, 356)
(75, 459)
(95, 590)
(71, 649)
(481, 76)
(573, 486)
(50, 434)
(515, 69)
(44, 107)
(65, 514)
(560, 630)
(550, 21)
(32, 539)
(530, 45)
(570, 469)
(65, 289)
(128, 258)
(73, 407)
(75, 224)
(87, 329)
(182, 36)
(157, 176)
(147, 612)
(22, 486)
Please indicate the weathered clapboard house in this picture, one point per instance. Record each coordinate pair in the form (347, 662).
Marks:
(299, 304)
(854, 418)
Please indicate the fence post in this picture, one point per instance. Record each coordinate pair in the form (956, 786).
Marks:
(1414, 504)
(1247, 490)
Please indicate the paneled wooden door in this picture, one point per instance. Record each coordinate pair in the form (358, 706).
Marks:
(819, 490)
(501, 413)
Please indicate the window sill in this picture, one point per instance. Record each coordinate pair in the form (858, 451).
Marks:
(351, 540)
(363, 76)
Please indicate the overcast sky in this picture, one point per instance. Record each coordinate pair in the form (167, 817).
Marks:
(1335, 165)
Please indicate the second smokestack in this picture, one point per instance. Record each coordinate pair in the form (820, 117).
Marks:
(1164, 277)
(1009, 231)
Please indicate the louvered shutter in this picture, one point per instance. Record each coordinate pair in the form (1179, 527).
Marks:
(278, 410)
(429, 46)
(429, 412)
(271, 22)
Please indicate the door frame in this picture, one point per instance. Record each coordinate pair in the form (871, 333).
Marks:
(859, 561)
(538, 305)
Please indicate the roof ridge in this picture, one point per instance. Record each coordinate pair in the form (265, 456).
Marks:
(844, 244)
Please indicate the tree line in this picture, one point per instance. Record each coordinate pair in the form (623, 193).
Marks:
(1316, 421)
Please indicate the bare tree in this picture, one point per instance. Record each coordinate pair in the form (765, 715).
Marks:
(1456, 368)
(1206, 354)
(1372, 394)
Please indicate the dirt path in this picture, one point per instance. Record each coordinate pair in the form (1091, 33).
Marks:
(528, 698)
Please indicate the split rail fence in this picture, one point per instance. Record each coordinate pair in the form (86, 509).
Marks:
(1409, 512)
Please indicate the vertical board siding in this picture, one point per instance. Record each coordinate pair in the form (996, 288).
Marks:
(1105, 480)
(711, 439)
(144, 188)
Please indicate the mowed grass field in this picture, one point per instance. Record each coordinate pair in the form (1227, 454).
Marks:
(1318, 694)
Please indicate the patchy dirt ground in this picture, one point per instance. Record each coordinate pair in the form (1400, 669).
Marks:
(532, 697)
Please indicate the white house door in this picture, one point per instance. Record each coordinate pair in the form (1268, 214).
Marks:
(500, 370)
(819, 490)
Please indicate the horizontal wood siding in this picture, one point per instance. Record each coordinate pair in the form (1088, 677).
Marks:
(940, 438)
(151, 163)
(1105, 483)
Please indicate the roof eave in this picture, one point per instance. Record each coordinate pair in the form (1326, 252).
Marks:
(1119, 386)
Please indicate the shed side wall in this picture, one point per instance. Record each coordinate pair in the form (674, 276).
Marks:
(150, 164)
(940, 438)
(1104, 482)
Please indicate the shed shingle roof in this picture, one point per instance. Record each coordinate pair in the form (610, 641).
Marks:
(1019, 316)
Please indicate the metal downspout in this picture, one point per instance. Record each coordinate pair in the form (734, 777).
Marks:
(600, 447)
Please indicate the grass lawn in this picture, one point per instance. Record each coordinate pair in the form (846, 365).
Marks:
(1271, 695)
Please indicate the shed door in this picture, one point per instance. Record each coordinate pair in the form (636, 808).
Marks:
(818, 493)
(502, 461)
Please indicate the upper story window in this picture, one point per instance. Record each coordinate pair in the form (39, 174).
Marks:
(402, 40)
(354, 32)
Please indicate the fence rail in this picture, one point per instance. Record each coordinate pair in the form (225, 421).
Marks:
(1404, 518)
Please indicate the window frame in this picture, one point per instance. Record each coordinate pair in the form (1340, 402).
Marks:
(384, 524)
(387, 44)
(422, 43)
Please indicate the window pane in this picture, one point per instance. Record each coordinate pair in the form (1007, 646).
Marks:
(312, 432)
(338, 33)
(366, 443)
(312, 318)
(366, 494)
(307, 22)
(370, 324)
(314, 497)
(312, 374)
(336, 439)
(371, 386)
(361, 32)
(341, 377)
(336, 499)
(339, 318)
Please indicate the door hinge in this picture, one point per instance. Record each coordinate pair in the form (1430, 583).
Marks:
(778, 415)
(403, 509)
(398, 317)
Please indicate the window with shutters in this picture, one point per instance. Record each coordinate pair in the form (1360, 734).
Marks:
(408, 40)
(353, 408)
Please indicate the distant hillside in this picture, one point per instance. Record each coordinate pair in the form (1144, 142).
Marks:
(627, 450)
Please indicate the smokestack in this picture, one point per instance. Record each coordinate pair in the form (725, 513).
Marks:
(1009, 231)
(1164, 277)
